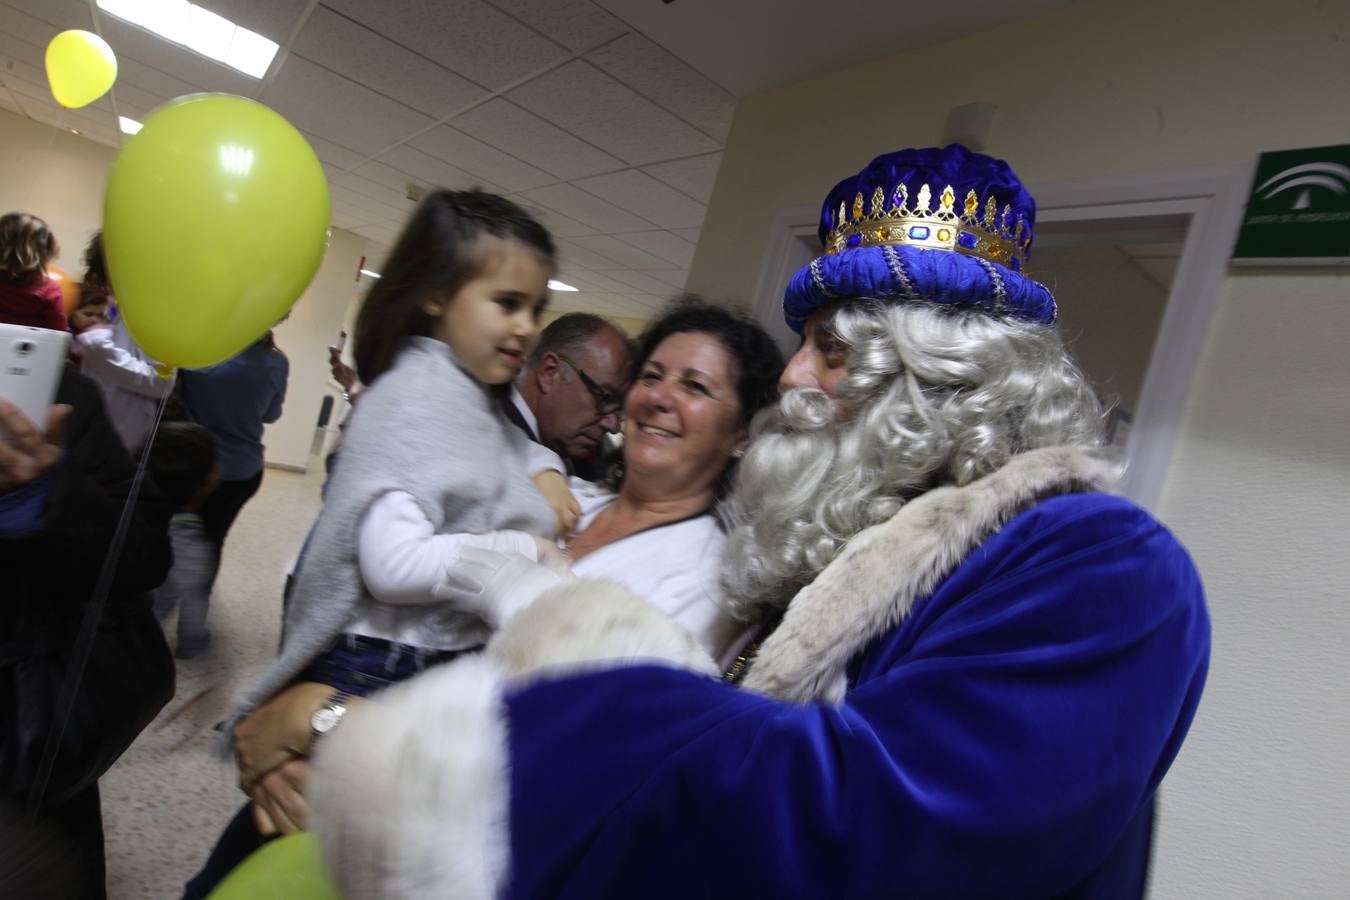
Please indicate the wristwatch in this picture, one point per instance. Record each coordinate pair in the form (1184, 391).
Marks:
(326, 717)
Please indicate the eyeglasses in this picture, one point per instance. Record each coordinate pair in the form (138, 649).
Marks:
(606, 402)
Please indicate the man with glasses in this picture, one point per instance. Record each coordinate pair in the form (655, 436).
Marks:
(570, 393)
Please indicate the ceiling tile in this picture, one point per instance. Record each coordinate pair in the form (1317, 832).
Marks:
(572, 254)
(689, 234)
(665, 244)
(576, 24)
(33, 20)
(672, 278)
(694, 176)
(586, 208)
(523, 134)
(347, 216)
(644, 196)
(135, 102)
(660, 76)
(625, 254)
(377, 210)
(593, 106)
(476, 158)
(431, 170)
(339, 44)
(644, 283)
(315, 99)
(17, 48)
(389, 177)
(600, 282)
(335, 155)
(274, 19)
(34, 97)
(475, 40)
(389, 197)
(150, 80)
(130, 42)
(557, 224)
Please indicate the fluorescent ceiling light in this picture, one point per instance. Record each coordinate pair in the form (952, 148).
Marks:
(370, 274)
(129, 126)
(554, 285)
(200, 30)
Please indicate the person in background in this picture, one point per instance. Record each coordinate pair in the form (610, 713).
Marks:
(234, 400)
(63, 486)
(184, 466)
(570, 393)
(27, 295)
(132, 385)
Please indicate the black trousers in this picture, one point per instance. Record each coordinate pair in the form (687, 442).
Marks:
(223, 506)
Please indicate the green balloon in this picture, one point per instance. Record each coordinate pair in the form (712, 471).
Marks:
(215, 220)
(287, 867)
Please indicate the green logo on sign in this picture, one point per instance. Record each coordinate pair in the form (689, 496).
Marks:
(1299, 208)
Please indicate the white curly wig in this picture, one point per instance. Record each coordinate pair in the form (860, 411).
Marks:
(931, 397)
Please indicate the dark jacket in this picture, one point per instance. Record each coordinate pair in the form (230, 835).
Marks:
(49, 570)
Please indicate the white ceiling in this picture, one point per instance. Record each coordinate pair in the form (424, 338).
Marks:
(611, 139)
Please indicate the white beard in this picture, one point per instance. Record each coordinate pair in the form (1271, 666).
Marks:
(796, 501)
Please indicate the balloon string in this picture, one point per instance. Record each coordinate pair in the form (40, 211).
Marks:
(84, 643)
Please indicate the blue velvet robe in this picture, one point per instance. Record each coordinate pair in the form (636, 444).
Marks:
(1004, 740)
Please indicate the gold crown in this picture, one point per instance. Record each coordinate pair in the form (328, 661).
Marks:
(989, 235)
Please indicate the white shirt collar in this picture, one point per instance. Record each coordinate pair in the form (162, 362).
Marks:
(526, 413)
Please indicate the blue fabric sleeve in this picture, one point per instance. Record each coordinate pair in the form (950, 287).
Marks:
(22, 509)
(1000, 744)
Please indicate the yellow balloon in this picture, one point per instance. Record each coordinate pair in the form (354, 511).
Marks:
(286, 867)
(80, 68)
(214, 222)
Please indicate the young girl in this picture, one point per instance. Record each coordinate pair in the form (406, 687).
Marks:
(430, 468)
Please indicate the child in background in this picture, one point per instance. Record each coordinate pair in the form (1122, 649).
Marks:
(130, 381)
(183, 465)
(27, 295)
(431, 469)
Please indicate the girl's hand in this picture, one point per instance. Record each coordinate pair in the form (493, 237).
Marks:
(553, 486)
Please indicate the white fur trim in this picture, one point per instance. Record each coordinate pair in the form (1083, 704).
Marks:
(593, 623)
(883, 570)
(411, 793)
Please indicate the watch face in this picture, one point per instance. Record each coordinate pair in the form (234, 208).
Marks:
(324, 719)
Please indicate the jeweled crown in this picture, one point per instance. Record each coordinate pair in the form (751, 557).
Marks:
(978, 229)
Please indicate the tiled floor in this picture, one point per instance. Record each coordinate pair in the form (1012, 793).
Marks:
(167, 799)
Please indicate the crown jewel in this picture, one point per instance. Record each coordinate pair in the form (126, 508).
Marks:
(1003, 238)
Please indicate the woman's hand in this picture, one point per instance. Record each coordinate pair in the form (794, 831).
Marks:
(278, 799)
(277, 731)
(25, 452)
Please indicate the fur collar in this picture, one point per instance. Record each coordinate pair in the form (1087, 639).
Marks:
(874, 582)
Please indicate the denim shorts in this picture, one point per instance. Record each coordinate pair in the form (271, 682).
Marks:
(362, 665)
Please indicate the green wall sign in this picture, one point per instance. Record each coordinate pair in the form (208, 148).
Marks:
(1298, 211)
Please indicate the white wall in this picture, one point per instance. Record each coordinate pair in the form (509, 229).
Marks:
(1258, 804)
(56, 176)
(60, 177)
(315, 322)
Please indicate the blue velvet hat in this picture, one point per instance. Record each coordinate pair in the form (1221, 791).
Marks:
(942, 226)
